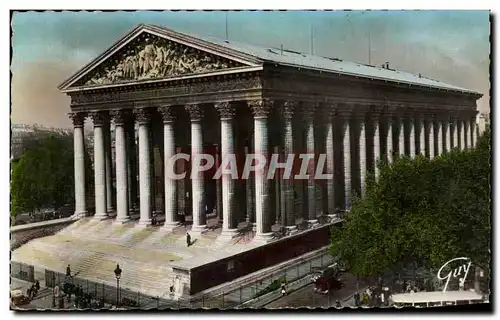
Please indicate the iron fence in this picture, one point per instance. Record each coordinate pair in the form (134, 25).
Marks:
(102, 294)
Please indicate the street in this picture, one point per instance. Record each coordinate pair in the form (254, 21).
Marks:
(306, 297)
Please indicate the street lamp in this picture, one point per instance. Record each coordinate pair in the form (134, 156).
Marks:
(118, 273)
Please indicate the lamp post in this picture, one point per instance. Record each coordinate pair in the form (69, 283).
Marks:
(118, 273)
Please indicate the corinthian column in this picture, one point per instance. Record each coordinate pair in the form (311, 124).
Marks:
(447, 134)
(145, 207)
(410, 117)
(330, 160)
(78, 119)
(345, 117)
(465, 126)
(363, 163)
(432, 141)
(122, 213)
(289, 107)
(260, 110)
(390, 139)
(308, 110)
(401, 135)
(170, 189)
(441, 130)
(109, 165)
(454, 133)
(474, 132)
(101, 211)
(229, 221)
(422, 136)
(375, 123)
(197, 180)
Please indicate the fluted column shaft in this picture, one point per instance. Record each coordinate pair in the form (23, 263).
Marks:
(432, 150)
(474, 133)
(411, 135)
(109, 167)
(401, 135)
(145, 206)
(441, 130)
(330, 164)
(390, 139)
(99, 166)
(167, 113)
(289, 107)
(79, 163)
(376, 143)
(308, 110)
(465, 128)
(260, 110)
(229, 222)
(458, 134)
(455, 133)
(347, 159)
(423, 137)
(122, 212)
(197, 179)
(363, 163)
(447, 135)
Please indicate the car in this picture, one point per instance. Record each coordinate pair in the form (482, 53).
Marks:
(17, 298)
(327, 279)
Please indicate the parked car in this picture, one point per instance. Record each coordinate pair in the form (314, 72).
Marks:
(17, 298)
(327, 279)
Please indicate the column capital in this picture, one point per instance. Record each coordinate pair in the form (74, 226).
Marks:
(226, 109)
(167, 113)
(142, 115)
(119, 116)
(99, 118)
(308, 109)
(344, 111)
(195, 111)
(289, 107)
(78, 118)
(260, 108)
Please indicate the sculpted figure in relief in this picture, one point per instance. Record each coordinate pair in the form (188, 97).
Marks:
(155, 59)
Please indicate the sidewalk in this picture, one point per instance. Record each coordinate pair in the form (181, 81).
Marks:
(43, 299)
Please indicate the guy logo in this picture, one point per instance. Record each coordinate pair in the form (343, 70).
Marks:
(455, 272)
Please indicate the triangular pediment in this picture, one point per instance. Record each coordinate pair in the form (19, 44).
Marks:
(149, 55)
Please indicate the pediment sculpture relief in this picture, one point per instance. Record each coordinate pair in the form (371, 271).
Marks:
(154, 58)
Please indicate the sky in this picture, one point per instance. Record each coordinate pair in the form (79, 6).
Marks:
(49, 47)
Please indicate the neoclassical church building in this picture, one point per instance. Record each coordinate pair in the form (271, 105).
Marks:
(185, 94)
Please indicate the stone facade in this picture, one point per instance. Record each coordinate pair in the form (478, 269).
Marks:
(184, 94)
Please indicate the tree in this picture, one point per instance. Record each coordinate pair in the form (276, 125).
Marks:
(421, 211)
(44, 175)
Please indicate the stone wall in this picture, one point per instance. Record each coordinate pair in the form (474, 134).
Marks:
(20, 235)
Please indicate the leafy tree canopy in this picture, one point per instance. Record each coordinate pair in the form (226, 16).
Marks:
(44, 174)
(421, 211)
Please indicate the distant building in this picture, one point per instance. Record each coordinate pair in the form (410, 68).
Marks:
(21, 132)
(483, 120)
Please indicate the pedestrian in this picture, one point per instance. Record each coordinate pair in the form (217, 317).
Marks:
(283, 289)
(338, 304)
(68, 271)
(356, 299)
(461, 284)
(366, 299)
(37, 285)
(188, 239)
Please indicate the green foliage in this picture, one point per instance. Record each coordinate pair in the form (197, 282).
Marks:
(421, 211)
(44, 175)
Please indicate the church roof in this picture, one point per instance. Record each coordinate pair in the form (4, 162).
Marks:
(313, 62)
(250, 57)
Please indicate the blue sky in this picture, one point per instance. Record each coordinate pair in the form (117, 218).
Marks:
(48, 47)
